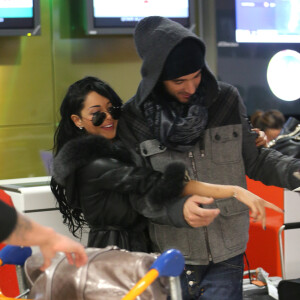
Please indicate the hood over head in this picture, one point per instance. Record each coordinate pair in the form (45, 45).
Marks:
(185, 58)
(155, 38)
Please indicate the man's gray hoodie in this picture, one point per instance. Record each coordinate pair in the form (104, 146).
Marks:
(225, 155)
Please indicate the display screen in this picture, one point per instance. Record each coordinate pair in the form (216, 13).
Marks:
(19, 17)
(120, 16)
(271, 21)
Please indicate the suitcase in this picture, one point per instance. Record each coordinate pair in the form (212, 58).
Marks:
(253, 292)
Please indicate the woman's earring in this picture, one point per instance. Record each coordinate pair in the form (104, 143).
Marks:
(80, 128)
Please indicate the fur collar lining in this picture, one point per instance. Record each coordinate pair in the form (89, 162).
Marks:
(81, 151)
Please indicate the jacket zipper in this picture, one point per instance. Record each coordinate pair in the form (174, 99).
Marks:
(192, 158)
(201, 146)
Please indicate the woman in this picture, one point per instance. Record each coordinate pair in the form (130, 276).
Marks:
(97, 183)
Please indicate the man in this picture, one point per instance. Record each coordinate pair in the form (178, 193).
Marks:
(180, 112)
(18, 230)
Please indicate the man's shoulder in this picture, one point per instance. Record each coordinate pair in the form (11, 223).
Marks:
(224, 109)
(226, 87)
(227, 94)
(131, 102)
(132, 122)
(131, 107)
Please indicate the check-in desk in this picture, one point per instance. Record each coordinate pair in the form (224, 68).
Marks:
(263, 246)
(33, 197)
(292, 237)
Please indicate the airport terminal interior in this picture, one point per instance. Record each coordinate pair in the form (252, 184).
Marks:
(45, 46)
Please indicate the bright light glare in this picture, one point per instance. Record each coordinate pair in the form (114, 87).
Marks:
(283, 75)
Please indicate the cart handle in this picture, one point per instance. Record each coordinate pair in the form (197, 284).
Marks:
(285, 226)
(294, 225)
(14, 255)
(170, 263)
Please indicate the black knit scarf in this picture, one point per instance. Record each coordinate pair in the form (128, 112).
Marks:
(176, 125)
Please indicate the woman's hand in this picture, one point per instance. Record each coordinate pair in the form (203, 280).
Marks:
(256, 204)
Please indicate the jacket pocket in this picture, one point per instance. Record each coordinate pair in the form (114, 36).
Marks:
(166, 237)
(234, 222)
(226, 144)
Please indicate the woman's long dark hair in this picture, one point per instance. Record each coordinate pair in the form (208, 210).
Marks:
(73, 103)
(72, 216)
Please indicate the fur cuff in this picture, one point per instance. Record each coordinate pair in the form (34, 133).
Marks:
(170, 186)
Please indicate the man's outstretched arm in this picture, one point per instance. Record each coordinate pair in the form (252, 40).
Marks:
(29, 233)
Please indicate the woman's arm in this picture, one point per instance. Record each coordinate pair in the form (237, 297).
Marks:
(255, 203)
(156, 195)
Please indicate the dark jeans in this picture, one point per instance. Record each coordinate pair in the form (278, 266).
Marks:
(221, 281)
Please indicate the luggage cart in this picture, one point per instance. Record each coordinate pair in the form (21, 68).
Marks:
(287, 289)
(284, 293)
(170, 264)
(15, 255)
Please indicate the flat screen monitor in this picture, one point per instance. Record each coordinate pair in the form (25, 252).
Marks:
(121, 16)
(267, 21)
(19, 17)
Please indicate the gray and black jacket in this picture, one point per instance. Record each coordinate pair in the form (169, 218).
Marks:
(225, 155)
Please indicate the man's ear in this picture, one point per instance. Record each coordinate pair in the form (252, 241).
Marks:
(77, 121)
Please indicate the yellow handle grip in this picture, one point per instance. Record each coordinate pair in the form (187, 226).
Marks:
(7, 298)
(142, 285)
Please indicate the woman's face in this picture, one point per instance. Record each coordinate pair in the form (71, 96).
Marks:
(94, 103)
(272, 134)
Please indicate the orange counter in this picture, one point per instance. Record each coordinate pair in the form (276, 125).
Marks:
(263, 248)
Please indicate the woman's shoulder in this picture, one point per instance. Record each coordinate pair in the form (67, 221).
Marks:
(83, 151)
(98, 167)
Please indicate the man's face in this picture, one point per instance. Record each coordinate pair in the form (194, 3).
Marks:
(184, 87)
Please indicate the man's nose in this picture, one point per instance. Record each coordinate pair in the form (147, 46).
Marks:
(190, 87)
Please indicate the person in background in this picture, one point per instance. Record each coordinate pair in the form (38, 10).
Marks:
(97, 183)
(271, 122)
(181, 112)
(281, 136)
(16, 229)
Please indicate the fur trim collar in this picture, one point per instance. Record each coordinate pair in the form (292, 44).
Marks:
(81, 151)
